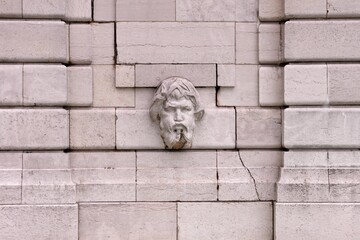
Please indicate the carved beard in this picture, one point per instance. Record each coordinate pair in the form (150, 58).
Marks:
(177, 136)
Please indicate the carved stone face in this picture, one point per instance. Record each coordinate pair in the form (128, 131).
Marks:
(176, 108)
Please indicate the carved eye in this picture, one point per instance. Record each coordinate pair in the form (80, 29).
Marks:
(169, 109)
(186, 109)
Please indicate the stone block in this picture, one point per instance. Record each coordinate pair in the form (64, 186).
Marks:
(105, 92)
(247, 11)
(78, 10)
(104, 176)
(317, 221)
(103, 48)
(271, 10)
(48, 41)
(10, 177)
(271, 86)
(270, 49)
(306, 84)
(175, 42)
(198, 10)
(321, 40)
(27, 129)
(135, 130)
(248, 175)
(104, 10)
(226, 75)
(201, 75)
(247, 49)
(305, 8)
(259, 127)
(130, 221)
(342, 8)
(176, 176)
(226, 221)
(81, 43)
(44, 8)
(11, 80)
(125, 76)
(11, 8)
(47, 179)
(39, 222)
(92, 128)
(45, 85)
(246, 89)
(80, 86)
(321, 128)
(145, 10)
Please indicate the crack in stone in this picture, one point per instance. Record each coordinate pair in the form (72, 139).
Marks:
(328, 171)
(252, 177)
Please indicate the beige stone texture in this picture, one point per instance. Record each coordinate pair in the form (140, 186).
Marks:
(343, 8)
(176, 176)
(104, 176)
(130, 221)
(105, 92)
(10, 177)
(135, 130)
(305, 8)
(317, 221)
(92, 128)
(11, 80)
(47, 179)
(210, 10)
(226, 75)
(11, 8)
(125, 76)
(321, 128)
(39, 222)
(78, 10)
(226, 221)
(104, 10)
(248, 175)
(48, 41)
(81, 43)
(201, 75)
(247, 49)
(80, 86)
(270, 48)
(180, 42)
(27, 129)
(103, 43)
(271, 86)
(44, 8)
(45, 85)
(322, 40)
(271, 10)
(259, 127)
(246, 90)
(306, 84)
(247, 11)
(145, 10)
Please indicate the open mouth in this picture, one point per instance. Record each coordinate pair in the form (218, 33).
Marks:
(179, 129)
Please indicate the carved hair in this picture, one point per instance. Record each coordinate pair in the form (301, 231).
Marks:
(167, 89)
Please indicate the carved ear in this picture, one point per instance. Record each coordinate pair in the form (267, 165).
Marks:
(199, 115)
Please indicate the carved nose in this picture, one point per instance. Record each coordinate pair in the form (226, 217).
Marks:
(178, 116)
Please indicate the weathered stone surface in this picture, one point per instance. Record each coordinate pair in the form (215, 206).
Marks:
(317, 221)
(247, 49)
(271, 86)
(201, 75)
(80, 86)
(125, 76)
(105, 92)
(247, 11)
(48, 41)
(176, 176)
(246, 89)
(78, 10)
(258, 128)
(270, 49)
(45, 85)
(321, 128)
(34, 129)
(92, 128)
(10, 177)
(103, 176)
(178, 42)
(135, 130)
(202, 221)
(128, 221)
(104, 10)
(321, 40)
(248, 175)
(145, 10)
(306, 84)
(305, 8)
(44, 8)
(198, 10)
(226, 75)
(343, 8)
(39, 222)
(81, 43)
(11, 80)
(103, 43)
(271, 10)
(11, 8)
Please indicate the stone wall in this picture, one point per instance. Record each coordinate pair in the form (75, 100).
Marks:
(276, 155)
